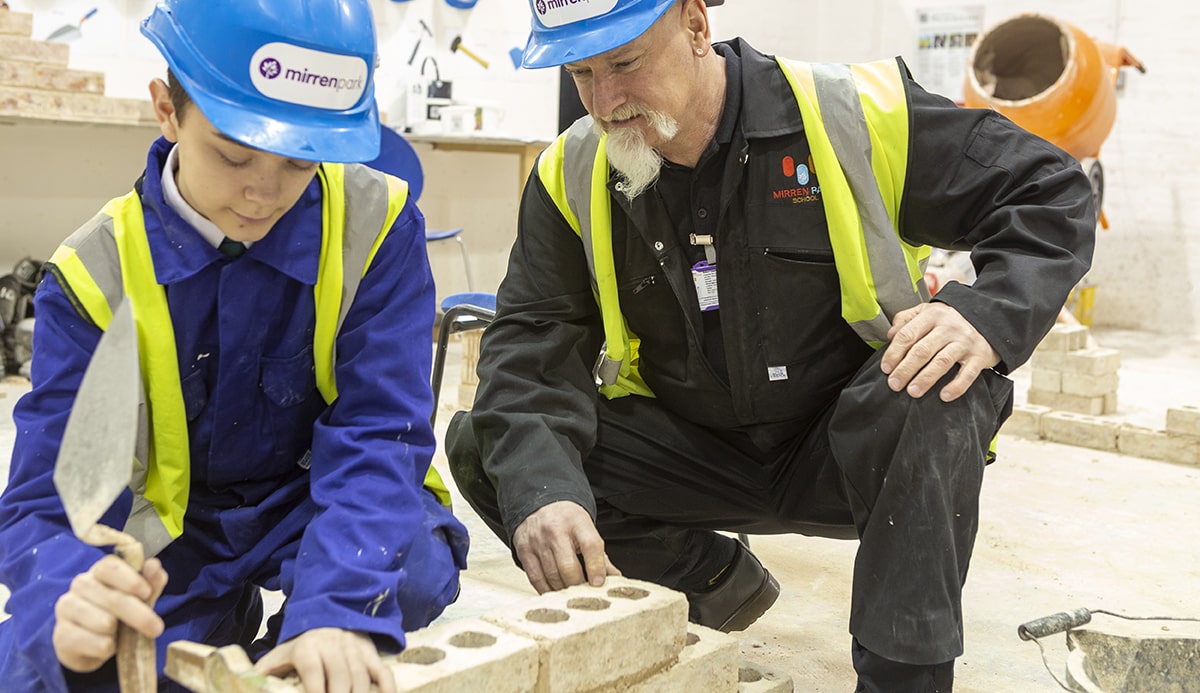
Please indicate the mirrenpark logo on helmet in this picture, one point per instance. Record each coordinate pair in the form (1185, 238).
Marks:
(307, 77)
(552, 13)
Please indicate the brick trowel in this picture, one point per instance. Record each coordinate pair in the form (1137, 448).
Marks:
(95, 464)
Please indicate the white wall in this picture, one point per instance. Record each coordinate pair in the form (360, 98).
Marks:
(1145, 263)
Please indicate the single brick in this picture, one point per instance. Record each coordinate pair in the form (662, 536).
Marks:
(1092, 361)
(708, 662)
(1087, 385)
(758, 678)
(466, 655)
(1025, 421)
(1184, 420)
(16, 24)
(1064, 338)
(594, 638)
(34, 76)
(1079, 429)
(77, 107)
(28, 50)
(1046, 380)
(1058, 401)
(1049, 360)
(1158, 445)
(204, 669)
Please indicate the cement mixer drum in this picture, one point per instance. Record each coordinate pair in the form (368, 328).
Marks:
(1050, 78)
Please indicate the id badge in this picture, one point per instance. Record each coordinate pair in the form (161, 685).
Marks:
(704, 276)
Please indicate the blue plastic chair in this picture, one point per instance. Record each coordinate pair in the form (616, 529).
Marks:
(397, 157)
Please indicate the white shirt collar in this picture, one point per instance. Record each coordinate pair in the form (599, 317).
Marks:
(207, 230)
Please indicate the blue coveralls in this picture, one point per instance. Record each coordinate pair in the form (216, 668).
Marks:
(323, 502)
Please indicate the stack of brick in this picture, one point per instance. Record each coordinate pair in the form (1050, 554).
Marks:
(1069, 375)
(35, 81)
(628, 635)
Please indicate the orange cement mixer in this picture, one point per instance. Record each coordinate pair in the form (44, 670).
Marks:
(1052, 79)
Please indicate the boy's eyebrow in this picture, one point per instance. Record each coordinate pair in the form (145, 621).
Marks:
(229, 139)
(225, 137)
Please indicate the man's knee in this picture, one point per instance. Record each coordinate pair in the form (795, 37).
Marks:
(868, 397)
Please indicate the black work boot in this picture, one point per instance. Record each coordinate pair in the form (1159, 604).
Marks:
(744, 592)
(877, 674)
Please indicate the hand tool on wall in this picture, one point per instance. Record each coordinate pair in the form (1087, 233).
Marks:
(456, 46)
(70, 32)
(95, 464)
(420, 34)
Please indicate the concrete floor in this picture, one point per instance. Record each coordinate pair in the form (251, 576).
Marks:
(1062, 527)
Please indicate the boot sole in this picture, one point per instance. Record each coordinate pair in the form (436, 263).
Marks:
(754, 607)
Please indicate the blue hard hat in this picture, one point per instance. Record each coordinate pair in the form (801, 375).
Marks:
(568, 30)
(565, 31)
(290, 77)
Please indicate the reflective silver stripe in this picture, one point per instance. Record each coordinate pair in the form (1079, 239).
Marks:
(579, 156)
(366, 210)
(836, 93)
(96, 247)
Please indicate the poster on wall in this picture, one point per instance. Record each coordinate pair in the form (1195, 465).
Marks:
(944, 39)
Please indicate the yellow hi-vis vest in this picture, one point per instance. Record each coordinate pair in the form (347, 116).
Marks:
(861, 156)
(109, 258)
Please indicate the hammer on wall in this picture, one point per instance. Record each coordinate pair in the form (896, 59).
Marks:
(456, 45)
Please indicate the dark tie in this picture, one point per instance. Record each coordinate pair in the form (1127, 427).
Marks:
(231, 247)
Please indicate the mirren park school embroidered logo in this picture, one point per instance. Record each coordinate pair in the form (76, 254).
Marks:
(801, 187)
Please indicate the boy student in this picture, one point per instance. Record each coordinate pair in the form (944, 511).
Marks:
(294, 438)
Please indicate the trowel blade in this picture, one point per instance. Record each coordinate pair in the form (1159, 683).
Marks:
(96, 459)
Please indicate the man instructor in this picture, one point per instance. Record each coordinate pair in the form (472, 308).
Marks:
(741, 239)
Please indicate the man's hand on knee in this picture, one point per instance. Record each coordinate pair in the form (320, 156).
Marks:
(550, 543)
(926, 341)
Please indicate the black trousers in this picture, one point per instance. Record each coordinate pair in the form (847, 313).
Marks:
(902, 475)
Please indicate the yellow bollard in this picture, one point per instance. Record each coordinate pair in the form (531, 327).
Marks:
(1080, 302)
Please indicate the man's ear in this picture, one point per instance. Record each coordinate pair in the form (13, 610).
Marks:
(696, 16)
(164, 110)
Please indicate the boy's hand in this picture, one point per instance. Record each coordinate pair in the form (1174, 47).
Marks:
(551, 542)
(330, 659)
(86, 617)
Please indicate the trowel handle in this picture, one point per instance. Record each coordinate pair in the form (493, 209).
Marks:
(1056, 623)
(136, 659)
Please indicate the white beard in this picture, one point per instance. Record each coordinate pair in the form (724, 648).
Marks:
(637, 163)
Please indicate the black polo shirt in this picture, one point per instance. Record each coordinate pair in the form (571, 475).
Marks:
(691, 197)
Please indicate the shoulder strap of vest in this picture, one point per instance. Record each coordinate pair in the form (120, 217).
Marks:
(574, 170)
(353, 195)
(864, 155)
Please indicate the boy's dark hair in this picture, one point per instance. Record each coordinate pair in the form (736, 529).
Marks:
(179, 96)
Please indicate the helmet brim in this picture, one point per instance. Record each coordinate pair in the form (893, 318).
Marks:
(339, 138)
(554, 48)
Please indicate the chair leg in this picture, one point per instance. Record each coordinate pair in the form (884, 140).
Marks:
(439, 362)
(462, 247)
(454, 319)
